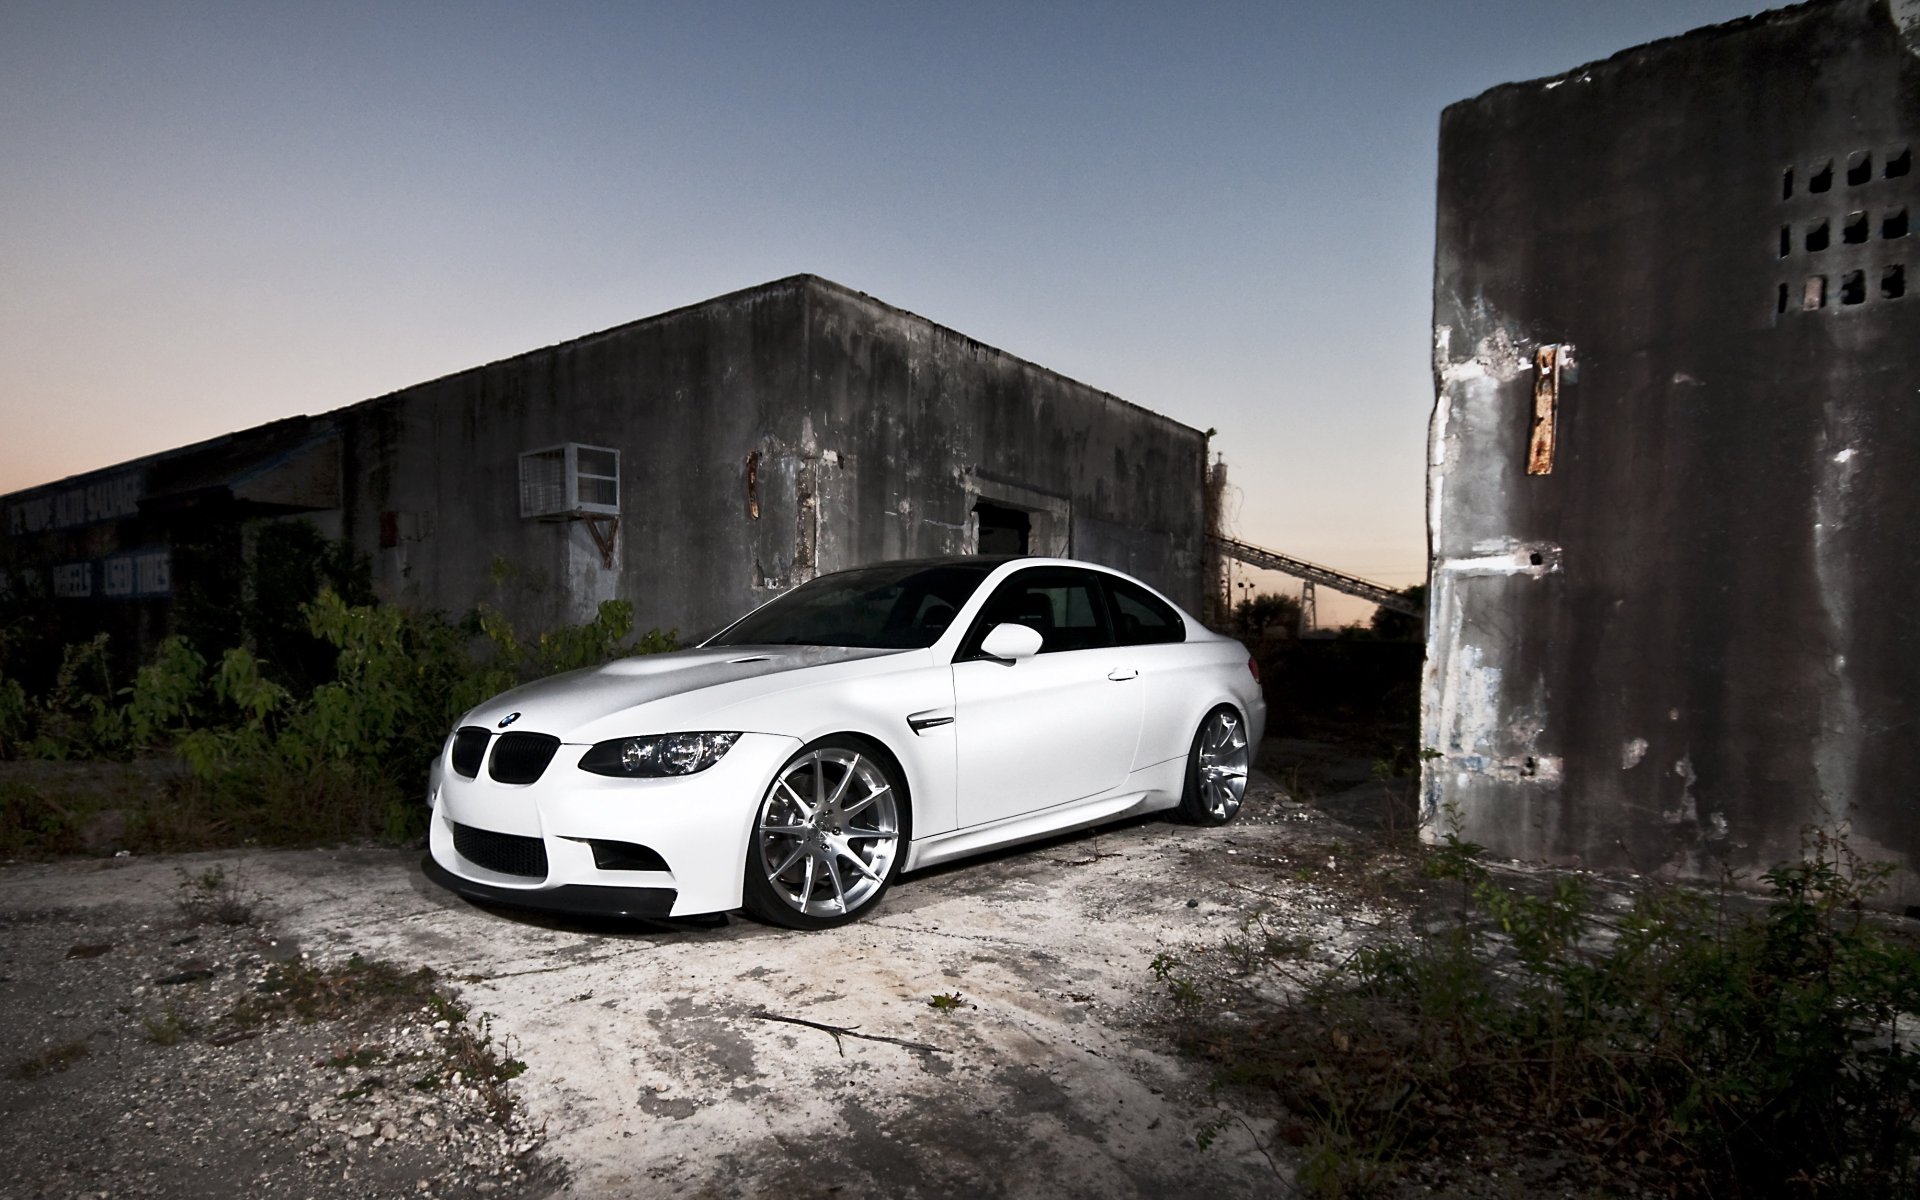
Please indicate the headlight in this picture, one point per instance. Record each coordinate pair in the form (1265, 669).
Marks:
(657, 755)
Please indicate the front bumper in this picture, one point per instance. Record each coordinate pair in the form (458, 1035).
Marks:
(697, 825)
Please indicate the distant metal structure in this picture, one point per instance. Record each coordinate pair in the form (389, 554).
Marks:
(1309, 610)
(1313, 573)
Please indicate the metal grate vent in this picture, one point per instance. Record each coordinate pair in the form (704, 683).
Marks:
(469, 748)
(507, 853)
(521, 757)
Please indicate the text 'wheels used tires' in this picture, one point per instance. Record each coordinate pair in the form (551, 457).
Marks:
(1216, 769)
(827, 837)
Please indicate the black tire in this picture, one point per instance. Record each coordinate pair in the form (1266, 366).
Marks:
(1217, 764)
(828, 836)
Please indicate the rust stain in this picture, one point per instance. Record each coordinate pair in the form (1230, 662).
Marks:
(1546, 405)
(753, 485)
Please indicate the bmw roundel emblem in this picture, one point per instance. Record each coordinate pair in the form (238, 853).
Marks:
(509, 719)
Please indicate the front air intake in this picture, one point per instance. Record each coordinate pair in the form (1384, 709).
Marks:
(507, 853)
(521, 757)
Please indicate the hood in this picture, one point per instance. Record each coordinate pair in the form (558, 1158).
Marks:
(560, 704)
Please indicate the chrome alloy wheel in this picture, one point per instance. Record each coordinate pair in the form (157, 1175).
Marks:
(1220, 765)
(827, 832)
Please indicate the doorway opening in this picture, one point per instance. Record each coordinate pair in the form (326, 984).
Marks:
(1002, 530)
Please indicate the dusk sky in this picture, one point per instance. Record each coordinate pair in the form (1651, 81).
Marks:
(213, 216)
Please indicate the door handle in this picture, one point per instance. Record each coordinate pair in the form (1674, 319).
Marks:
(1122, 674)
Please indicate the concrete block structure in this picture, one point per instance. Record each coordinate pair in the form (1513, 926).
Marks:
(1673, 515)
(694, 463)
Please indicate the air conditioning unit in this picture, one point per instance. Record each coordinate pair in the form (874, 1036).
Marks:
(569, 480)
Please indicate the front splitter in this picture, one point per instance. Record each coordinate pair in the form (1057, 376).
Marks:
(583, 899)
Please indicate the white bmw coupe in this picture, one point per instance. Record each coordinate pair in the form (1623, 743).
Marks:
(866, 723)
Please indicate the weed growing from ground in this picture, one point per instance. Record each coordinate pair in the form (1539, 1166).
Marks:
(56, 1058)
(212, 897)
(1697, 1045)
(169, 1028)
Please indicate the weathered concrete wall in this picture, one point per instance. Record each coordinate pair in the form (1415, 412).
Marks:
(1697, 633)
(765, 436)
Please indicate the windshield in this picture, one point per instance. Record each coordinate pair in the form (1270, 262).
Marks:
(905, 606)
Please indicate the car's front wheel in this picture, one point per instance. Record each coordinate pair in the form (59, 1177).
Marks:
(1216, 769)
(827, 838)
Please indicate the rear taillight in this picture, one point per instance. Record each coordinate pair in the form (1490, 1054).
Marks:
(1253, 665)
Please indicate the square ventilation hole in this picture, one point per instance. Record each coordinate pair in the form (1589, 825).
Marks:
(1819, 236)
(1859, 168)
(1780, 301)
(1899, 163)
(1894, 224)
(1820, 176)
(1786, 184)
(1853, 287)
(1893, 282)
(1856, 229)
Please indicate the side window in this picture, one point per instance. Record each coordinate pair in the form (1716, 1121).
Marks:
(1141, 618)
(1063, 605)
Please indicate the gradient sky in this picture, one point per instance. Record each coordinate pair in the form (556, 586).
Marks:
(217, 215)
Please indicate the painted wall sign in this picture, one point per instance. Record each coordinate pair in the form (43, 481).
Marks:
(137, 575)
(110, 499)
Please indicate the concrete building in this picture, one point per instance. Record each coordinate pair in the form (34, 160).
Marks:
(694, 463)
(1677, 357)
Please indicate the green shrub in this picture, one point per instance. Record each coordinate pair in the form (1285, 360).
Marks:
(1707, 1045)
(346, 758)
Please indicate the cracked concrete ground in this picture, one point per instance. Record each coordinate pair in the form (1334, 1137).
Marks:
(659, 1062)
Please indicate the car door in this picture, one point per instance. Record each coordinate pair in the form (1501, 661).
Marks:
(1060, 726)
(1169, 670)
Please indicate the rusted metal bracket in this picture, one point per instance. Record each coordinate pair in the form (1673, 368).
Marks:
(1547, 363)
(604, 529)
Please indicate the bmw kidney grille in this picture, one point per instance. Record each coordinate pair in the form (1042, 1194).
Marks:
(521, 757)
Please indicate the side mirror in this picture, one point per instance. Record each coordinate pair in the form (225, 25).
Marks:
(1008, 642)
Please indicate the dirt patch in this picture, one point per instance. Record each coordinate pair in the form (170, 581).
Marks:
(152, 1054)
(653, 1061)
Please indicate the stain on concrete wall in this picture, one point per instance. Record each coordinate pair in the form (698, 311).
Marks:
(1695, 634)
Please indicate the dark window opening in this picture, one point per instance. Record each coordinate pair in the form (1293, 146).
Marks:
(1819, 236)
(1853, 287)
(1786, 184)
(1821, 180)
(1899, 163)
(1893, 284)
(1857, 229)
(1894, 224)
(1003, 530)
(1780, 303)
(1815, 295)
(1786, 240)
(1859, 168)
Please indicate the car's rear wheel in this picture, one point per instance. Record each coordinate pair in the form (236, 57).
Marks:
(828, 836)
(1216, 769)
